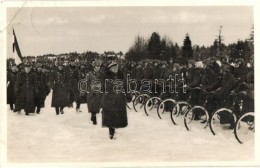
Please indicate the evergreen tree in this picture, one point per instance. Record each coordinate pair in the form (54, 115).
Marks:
(186, 50)
(154, 46)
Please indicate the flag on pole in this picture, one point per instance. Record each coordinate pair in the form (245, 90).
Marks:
(16, 50)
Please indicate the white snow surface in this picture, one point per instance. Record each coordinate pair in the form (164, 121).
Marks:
(72, 137)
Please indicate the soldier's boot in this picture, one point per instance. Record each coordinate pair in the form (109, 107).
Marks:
(57, 110)
(38, 110)
(61, 110)
(11, 106)
(111, 133)
(94, 119)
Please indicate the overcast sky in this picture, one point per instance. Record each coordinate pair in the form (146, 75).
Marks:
(58, 30)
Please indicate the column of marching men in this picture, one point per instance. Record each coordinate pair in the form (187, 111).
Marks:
(29, 85)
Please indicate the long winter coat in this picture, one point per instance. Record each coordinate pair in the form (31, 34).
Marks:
(43, 89)
(114, 112)
(59, 86)
(11, 79)
(25, 89)
(80, 89)
(93, 96)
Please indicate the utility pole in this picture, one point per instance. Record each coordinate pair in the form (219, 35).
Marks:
(220, 39)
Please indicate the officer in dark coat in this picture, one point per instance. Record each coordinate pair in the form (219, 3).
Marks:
(59, 86)
(80, 93)
(72, 83)
(25, 89)
(114, 101)
(43, 89)
(94, 91)
(11, 80)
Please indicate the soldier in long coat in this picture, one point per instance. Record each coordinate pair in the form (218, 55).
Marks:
(11, 80)
(114, 114)
(43, 88)
(59, 86)
(72, 83)
(25, 89)
(94, 94)
(80, 93)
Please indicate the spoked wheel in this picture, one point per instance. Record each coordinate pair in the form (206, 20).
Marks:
(139, 101)
(221, 120)
(245, 127)
(178, 112)
(165, 107)
(196, 117)
(151, 105)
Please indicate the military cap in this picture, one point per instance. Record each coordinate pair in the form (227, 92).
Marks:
(240, 60)
(192, 62)
(176, 65)
(225, 67)
(206, 62)
(164, 63)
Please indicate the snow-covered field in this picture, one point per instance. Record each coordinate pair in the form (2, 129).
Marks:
(71, 137)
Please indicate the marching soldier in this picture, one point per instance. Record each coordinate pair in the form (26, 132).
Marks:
(72, 83)
(25, 89)
(59, 86)
(114, 101)
(43, 89)
(80, 97)
(94, 94)
(11, 80)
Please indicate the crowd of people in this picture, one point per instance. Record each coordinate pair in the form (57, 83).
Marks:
(29, 84)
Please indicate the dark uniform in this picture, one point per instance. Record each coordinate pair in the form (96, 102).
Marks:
(11, 79)
(43, 90)
(114, 103)
(94, 95)
(80, 94)
(25, 89)
(72, 84)
(60, 94)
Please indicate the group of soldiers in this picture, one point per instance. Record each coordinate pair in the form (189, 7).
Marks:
(28, 86)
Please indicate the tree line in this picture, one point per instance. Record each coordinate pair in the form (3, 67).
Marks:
(163, 48)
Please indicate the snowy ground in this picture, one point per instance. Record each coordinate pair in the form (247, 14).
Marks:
(71, 137)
